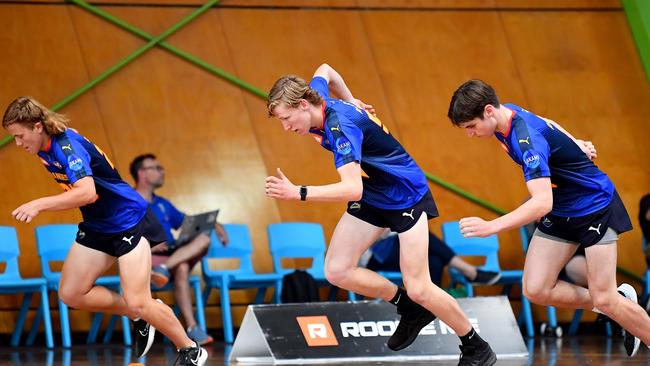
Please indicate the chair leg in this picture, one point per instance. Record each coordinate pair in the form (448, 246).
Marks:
(552, 316)
(261, 294)
(94, 328)
(65, 325)
(575, 322)
(20, 322)
(206, 293)
(45, 311)
(226, 314)
(200, 310)
(108, 334)
(126, 331)
(278, 292)
(35, 325)
(528, 316)
(352, 296)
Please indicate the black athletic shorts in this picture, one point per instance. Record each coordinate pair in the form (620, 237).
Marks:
(589, 229)
(397, 220)
(119, 244)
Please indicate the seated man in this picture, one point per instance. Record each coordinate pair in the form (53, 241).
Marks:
(176, 263)
(384, 256)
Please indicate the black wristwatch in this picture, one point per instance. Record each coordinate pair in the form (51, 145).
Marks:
(303, 193)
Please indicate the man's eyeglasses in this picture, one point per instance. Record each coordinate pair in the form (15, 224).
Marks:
(159, 168)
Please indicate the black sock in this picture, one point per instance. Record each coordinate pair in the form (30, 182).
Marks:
(471, 338)
(403, 301)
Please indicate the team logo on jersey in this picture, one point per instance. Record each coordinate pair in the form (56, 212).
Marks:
(532, 159)
(343, 145)
(335, 128)
(526, 140)
(75, 163)
(66, 147)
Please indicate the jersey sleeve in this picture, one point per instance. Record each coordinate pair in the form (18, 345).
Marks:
(320, 85)
(345, 140)
(533, 151)
(176, 217)
(73, 157)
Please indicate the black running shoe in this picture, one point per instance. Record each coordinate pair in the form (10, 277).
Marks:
(409, 326)
(143, 336)
(481, 355)
(486, 277)
(191, 356)
(630, 342)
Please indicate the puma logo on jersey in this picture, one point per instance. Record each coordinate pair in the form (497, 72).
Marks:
(128, 240)
(66, 147)
(406, 214)
(335, 129)
(525, 140)
(596, 229)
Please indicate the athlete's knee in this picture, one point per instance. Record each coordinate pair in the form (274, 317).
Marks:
(137, 305)
(605, 301)
(337, 274)
(418, 290)
(71, 295)
(536, 291)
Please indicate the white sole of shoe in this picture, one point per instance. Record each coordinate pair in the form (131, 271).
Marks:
(630, 293)
(203, 357)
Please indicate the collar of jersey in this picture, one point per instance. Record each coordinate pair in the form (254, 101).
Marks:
(49, 145)
(509, 122)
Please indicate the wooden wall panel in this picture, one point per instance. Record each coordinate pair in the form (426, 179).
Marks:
(422, 58)
(196, 123)
(592, 83)
(48, 66)
(262, 55)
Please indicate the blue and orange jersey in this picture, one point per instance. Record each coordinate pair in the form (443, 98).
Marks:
(70, 157)
(542, 150)
(168, 215)
(393, 180)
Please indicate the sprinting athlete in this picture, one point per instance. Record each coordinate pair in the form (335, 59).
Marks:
(575, 202)
(384, 188)
(116, 225)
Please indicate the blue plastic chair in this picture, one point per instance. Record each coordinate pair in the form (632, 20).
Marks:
(53, 243)
(489, 248)
(244, 277)
(299, 240)
(12, 283)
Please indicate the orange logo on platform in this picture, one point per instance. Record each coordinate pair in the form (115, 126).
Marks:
(317, 331)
